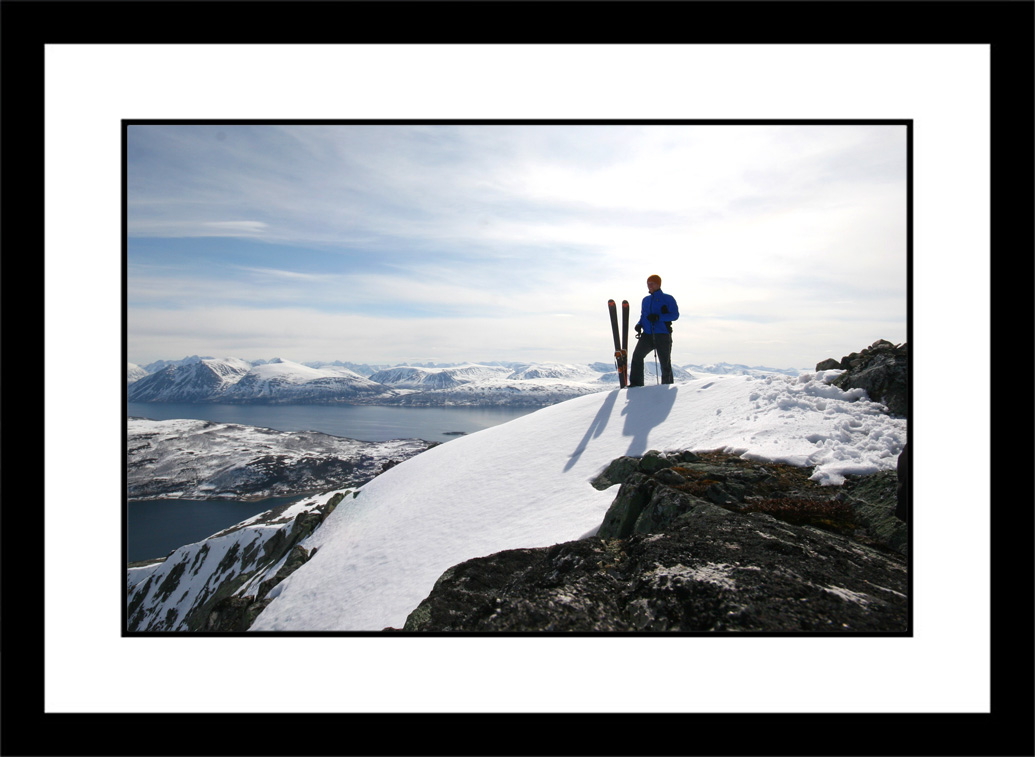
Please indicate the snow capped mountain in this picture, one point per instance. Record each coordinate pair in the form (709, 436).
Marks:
(407, 377)
(736, 369)
(502, 392)
(159, 365)
(280, 381)
(283, 381)
(196, 381)
(475, 384)
(421, 378)
(363, 369)
(469, 372)
(563, 371)
(134, 373)
(526, 484)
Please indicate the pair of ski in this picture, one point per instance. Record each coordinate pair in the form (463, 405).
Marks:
(621, 344)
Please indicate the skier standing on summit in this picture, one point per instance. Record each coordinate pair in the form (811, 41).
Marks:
(654, 332)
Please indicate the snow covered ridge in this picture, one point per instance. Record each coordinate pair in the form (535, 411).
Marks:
(526, 484)
(193, 459)
(231, 380)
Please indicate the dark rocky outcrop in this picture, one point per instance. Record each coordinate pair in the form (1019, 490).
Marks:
(704, 542)
(902, 510)
(237, 613)
(881, 370)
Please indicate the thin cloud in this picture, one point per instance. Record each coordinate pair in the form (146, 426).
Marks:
(234, 228)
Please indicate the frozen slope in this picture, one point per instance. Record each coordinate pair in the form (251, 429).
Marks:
(526, 484)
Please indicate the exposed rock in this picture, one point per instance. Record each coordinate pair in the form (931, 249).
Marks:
(713, 544)
(874, 501)
(881, 370)
(903, 494)
(234, 614)
(633, 498)
(621, 468)
(237, 613)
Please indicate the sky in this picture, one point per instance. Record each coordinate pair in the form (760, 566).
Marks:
(783, 244)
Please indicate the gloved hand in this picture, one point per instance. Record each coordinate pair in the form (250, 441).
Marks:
(639, 329)
(664, 309)
(653, 317)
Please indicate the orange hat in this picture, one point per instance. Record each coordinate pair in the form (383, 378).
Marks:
(656, 278)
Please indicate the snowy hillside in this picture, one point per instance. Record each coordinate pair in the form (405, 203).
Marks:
(526, 484)
(194, 459)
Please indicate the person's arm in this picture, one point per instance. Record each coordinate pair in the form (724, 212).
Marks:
(670, 310)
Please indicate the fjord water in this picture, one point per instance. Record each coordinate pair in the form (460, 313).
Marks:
(156, 527)
(367, 423)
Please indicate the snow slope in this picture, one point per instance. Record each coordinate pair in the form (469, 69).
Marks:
(526, 484)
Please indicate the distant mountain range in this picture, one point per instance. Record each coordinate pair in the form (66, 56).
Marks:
(236, 381)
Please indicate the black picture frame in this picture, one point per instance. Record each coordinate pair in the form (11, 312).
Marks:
(1004, 25)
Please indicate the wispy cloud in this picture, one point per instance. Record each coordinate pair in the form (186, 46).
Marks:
(274, 274)
(234, 228)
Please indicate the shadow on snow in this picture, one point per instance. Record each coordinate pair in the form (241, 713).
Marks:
(645, 408)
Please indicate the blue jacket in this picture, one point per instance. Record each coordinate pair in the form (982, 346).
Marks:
(664, 306)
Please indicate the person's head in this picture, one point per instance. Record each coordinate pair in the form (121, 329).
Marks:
(653, 283)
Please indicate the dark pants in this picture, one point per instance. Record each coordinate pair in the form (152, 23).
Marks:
(646, 344)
